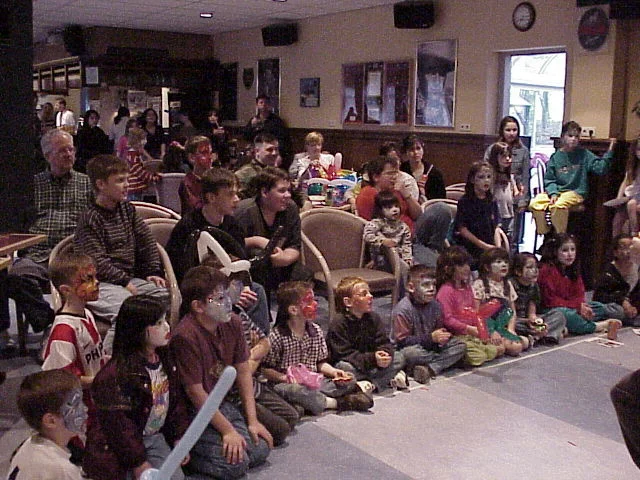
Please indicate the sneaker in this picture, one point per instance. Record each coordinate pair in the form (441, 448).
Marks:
(367, 387)
(8, 345)
(399, 381)
(422, 374)
(359, 402)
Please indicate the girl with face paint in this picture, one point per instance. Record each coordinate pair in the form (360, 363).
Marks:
(493, 286)
(562, 289)
(138, 395)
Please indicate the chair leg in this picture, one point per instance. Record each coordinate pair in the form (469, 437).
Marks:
(23, 330)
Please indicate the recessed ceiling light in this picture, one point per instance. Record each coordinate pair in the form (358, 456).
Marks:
(279, 0)
(206, 15)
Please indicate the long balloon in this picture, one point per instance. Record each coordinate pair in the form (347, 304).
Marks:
(191, 436)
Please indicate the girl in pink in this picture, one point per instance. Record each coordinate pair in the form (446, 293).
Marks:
(453, 277)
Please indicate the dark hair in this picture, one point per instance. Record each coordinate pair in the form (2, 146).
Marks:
(90, 112)
(191, 147)
(496, 150)
(264, 97)
(64, 267)
(418, 270)
(632, 162)
(469, 189)
(143, 117)
(409, 141)
(615, 242)
(216, 178)
(571, 126)
(384, 200)
(519, 262)
(266, 179)
(174, 158)
(136, 314)
(101, 167)
(549, 251)
(122, 113)
(503, 123)
(484, 266)
(197, 283)
(377, 164)
(61, 101)
(264, 138)
(454, 256)
(387, 147)
(289, 293)
(44, 392)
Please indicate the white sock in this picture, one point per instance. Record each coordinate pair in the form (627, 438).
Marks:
(331, 403)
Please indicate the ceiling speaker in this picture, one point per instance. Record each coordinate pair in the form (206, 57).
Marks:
(73, 37)
(413, 14)
(279, 35)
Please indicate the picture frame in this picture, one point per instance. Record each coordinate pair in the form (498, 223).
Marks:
(269, 81)
(435, 84)
(310, 92)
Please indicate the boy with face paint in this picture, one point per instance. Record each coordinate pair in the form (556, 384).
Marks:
(208, 338)
(418, 328)
(75, 343)
(358, 339)
(297, 339)
(51, 403)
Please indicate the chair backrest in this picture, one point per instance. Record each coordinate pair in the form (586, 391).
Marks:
(454, 193)
(338, 236)
(151, 210)
(161, 228)
(168, 191)
(541, 168)
(452, 204)
(153, 165)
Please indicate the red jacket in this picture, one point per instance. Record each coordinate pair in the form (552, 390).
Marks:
(558, 290)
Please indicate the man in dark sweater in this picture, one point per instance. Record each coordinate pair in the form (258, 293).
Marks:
(265, 121)
(120, 243)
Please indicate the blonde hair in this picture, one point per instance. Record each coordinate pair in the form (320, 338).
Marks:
(314, 138)
(345, 289)
(135, 136)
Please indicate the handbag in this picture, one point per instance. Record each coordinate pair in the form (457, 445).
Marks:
(302, 375)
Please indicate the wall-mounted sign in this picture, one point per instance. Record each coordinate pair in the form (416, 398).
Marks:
(593, 29)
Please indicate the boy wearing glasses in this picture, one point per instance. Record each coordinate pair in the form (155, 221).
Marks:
(208, 338)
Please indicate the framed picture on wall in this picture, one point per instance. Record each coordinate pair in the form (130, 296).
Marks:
(352, 92)
(436, 83)
(269, 81)
(310, 92)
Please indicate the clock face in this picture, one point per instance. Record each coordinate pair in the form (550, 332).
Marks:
(524, 16)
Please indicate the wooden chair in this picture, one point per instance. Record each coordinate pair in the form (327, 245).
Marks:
(151, 210)
(333, 248)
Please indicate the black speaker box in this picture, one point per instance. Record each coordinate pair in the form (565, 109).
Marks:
(623, 9)
(413, 14)
(280, 34)
(73, 38)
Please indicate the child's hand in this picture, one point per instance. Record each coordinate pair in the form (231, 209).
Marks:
(553, 199)
(473, 331)
(159, 281)
(586, 311)
(233, 446)
(440, 336)
(248, 298)
(629, 310)
(496, 338)
(342, 376)
(383, 359)
(389, 242)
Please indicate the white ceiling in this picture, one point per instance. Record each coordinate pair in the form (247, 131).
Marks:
(182, 15)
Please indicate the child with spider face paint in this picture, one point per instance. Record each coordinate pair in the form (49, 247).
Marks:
(51, 403)
(75, 343)
(140, 409)
(418, 328)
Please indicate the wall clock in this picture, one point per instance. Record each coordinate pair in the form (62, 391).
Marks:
(524, 16)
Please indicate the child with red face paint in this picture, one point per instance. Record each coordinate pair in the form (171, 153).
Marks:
(296, 339)
(358, 339)
(75, 343)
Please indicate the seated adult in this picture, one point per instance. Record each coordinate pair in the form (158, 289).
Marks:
(266, 152)
(220, 198)
(312, 159)
(260, 218)
(429, 178)
(200, 157)
(429, 228)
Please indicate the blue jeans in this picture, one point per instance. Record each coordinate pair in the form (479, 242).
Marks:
(380, 377)
(439, 359)
(259, 312)
(208, 459)
(313, 401)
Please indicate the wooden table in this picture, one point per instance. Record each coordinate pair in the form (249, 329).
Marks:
(9, 244)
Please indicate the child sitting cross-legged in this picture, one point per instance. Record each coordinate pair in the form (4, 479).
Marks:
(418, 328)
(493, 284)
(74, 343)
(453, 279)
(140, 407)
(51, 403)
(358, 340)
(296, 339)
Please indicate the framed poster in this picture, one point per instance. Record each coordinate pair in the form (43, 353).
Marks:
(269, 81)
(310, 92)
(352, 92)
(436, 83)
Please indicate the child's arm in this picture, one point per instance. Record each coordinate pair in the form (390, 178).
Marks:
(455, 325)
(600, 165)
(405, 248)
(342, 348)
(371, 234)
(257, 353)
(532, 313)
